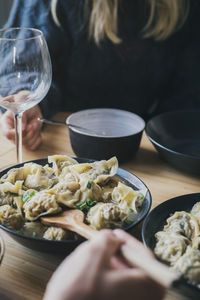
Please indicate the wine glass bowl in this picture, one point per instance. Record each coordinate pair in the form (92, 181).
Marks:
(25, 73)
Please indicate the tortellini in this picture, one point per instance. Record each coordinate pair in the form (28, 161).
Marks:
(11, 187)
(179, 243)
(10, 217)
(189, 265)
(32, 191)
(55, 233)
(67, 193)
(98, 172)
(170, 246)
(183, 223)
(32, 175)
(60, 162)
(105, 215)
(42, 203)
(196, 211)
(128, 199)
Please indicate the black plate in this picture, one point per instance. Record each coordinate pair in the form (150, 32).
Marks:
(68, 245)
(156, 219)
(176, 136)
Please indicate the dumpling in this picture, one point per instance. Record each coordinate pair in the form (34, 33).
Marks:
(170, 246)
(67, 193)
(107, 188)
(183, 223)
(42, 203)
(105, 215)
(196, 243)
(195, 211)
(91, 191)
(17, 203)
(40, 178)
(13, 175)
(12, 188)
(10, 217)
(56, 233)
(31, 175)
(99, 171)
(5, 198)
(127, 198)
(189, 265)
(60, 162)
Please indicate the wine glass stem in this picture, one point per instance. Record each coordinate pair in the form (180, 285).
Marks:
(18, 135)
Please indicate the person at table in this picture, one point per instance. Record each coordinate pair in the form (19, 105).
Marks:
(136, 55)
(95, 271)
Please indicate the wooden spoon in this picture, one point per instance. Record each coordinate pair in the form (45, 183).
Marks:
(73, 220)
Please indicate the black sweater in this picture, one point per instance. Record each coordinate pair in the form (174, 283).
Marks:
(141, 75)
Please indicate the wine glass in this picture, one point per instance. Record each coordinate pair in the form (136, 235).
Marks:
(25, 74)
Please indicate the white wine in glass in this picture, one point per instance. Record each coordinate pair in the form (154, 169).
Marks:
(25, 74)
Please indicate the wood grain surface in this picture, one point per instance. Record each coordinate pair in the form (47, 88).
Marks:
(24, 272)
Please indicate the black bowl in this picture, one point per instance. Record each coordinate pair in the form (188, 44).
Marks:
(176, 136)
(67, 246)
(156, 220)
(110, 132)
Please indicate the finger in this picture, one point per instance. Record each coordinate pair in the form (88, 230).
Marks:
(7, 120)
(117, 263)
(33, 127)
(29, 135)
(132, 242)
(9, 99)
(10, 134)
(36, 124)
(133, 281)
(34, 143)
(34, 112)
(103, 247)
(7, 125)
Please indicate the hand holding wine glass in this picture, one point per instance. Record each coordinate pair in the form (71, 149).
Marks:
(31, 127)
(25, 75)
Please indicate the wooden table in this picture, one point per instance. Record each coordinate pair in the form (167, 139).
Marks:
(24, 273)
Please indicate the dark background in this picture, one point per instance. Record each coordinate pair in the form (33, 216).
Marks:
(5, 6)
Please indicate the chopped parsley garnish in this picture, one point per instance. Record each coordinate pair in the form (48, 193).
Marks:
(140, 196)
(85, 206)
(28, 195)
(131, 210)
(89, 184)
(90, 203)
(128, 221)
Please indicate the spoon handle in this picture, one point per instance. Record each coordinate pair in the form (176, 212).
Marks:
(53, 122)
(156, 270)
(73, 220)
(84, 230)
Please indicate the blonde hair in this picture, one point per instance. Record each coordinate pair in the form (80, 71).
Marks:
(165, 18)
